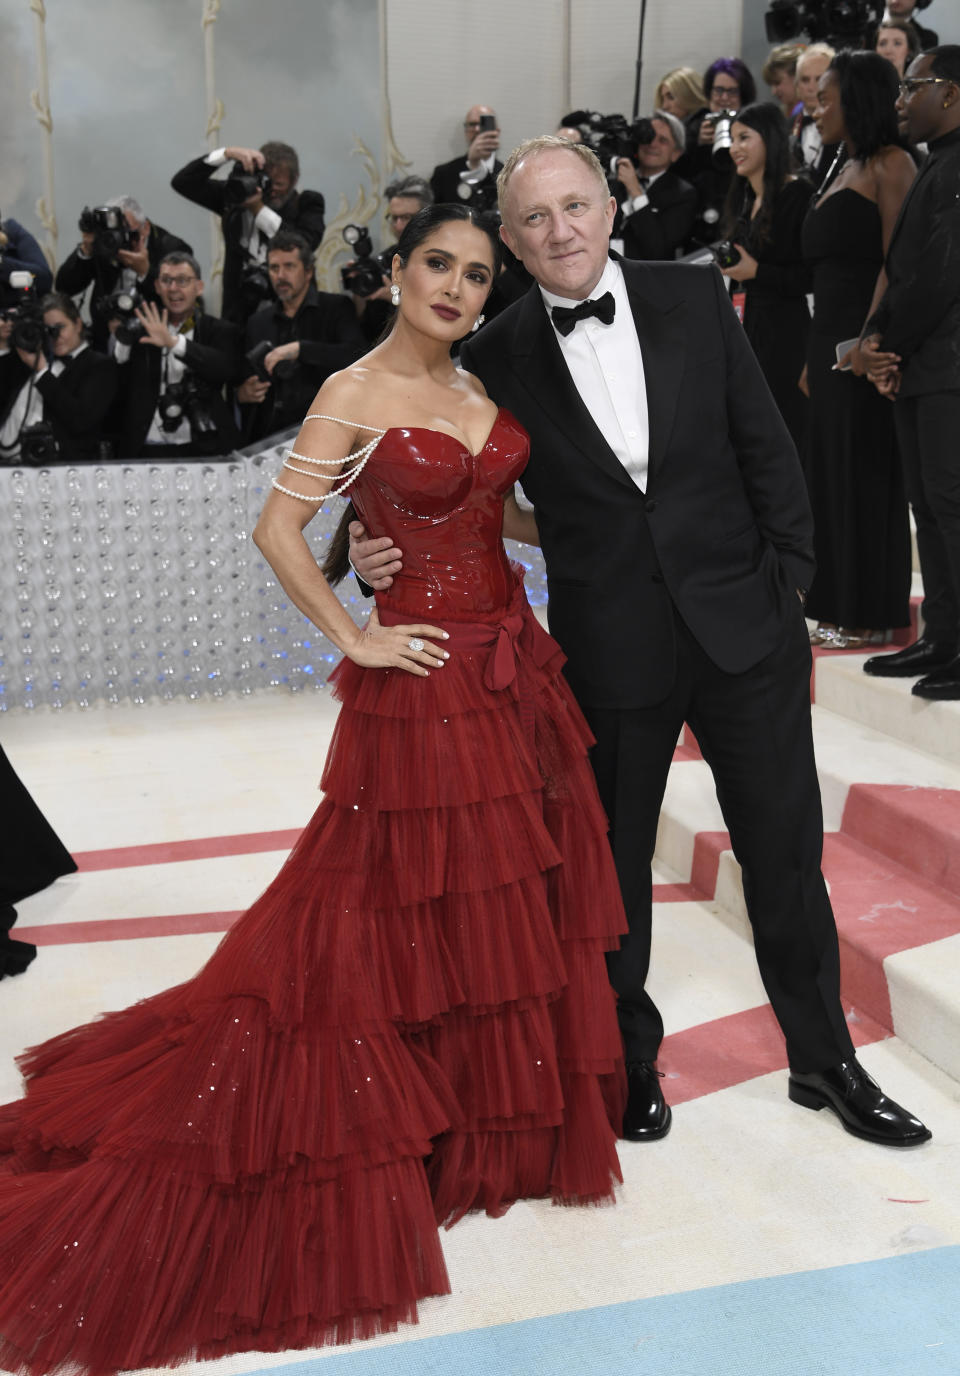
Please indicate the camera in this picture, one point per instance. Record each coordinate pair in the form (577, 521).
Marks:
(185, 400)
(722, 138)
(109, 228)
(727, 255)
(840, 22)
(487, 122)
(255, 357)
(29, 333)
(38, 444)
(364, 276)
(122, 306)
(254, 286)
(241, 185)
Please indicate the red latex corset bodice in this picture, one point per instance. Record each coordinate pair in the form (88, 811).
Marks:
(443, 507)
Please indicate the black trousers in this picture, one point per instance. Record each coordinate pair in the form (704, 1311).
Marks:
(754, 731)
(927, 430)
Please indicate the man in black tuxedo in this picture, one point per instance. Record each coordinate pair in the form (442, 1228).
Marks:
(657, 211)
(172, 379)
(249, 225)
(133, 269)
(472, 177)
(912, 349)
(677, 535)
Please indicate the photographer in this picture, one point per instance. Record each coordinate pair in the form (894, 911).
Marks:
(20, 252)
(906, 11)
(294, 344)
(404, 198)
(173, 375)
(119, 250)
(659, 207)
(473, 177)
(728, 85)
(54, 390)
(255, 202)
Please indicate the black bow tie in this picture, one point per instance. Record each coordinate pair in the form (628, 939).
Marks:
(565, 317)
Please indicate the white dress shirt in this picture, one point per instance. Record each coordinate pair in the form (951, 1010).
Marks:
(606, 366)
(172, 369)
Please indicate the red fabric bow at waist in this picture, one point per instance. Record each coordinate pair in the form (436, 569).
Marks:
(516, 636)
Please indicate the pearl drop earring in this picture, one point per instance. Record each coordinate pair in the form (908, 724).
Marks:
(395, 294)
(479, 321)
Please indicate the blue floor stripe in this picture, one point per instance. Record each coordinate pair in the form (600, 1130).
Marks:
(877, 1318)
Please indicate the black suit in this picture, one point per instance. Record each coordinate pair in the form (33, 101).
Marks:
(663, 225)
(75, 403)
(213, 358)
(919, 319)
(680, 603)
(445, 180)
(302, 211)
(75, 274)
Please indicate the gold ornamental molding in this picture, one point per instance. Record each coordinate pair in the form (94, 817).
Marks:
(215, 117)
(359, 211)
(40, 102)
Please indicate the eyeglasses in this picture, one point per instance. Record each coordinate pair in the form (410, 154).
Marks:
(177, 281)
(911, 84)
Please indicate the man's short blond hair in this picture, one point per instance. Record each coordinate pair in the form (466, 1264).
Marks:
(530, 148)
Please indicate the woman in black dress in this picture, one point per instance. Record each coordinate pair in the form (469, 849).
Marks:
(766, 205)
(862, 536)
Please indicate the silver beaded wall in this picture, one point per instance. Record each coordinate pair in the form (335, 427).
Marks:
(137, 581)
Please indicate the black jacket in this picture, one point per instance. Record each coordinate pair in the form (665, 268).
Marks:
(22, 253)
(75, 403)
(302, 211)
(662, 226)
(75, 274)
(723, 531)
(919, 314)
(212, 357)
(445, 180)
(330, 339)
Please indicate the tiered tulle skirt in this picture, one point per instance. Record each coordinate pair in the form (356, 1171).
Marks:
(412, 1022)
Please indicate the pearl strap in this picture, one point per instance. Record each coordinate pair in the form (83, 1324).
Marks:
(358, 460)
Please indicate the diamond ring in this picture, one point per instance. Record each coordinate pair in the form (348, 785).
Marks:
(415, 643)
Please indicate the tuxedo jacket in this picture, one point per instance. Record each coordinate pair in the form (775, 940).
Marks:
(446, 178)
(75, 404)
(919, 314)
(723, 532)
(302, 211)
(663, 225)
(213, 356)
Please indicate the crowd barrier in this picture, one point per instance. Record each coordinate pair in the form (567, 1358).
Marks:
(137, 580)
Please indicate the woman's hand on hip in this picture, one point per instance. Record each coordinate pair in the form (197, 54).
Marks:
(398, 647)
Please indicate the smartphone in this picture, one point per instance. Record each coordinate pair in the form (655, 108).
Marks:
(487, 122)
(844, 347)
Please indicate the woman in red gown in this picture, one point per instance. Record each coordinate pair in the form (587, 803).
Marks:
(414, 1019)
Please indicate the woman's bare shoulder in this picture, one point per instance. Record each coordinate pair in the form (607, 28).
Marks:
(472, 381)
(353, 395)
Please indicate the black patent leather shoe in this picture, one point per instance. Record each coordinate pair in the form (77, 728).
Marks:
(912, 661)
(647, 1116)
(859, 1103)
(942, 685)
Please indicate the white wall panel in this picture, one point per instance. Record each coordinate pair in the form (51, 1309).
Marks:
(604, 40)
(444, 58)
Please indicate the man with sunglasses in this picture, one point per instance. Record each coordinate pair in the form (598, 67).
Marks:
(911, 348)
